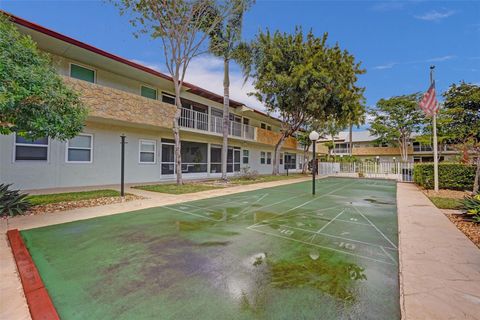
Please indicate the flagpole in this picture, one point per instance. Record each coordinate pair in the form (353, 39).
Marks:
(435, 144)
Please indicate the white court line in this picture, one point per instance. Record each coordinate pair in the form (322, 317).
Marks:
(338, 215)
(376, 228)
(389, 255)
(248, 207)
(321, 233)
(317, 245)
(193, 214)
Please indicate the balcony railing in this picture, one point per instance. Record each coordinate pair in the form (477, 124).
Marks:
(339, 150)
(202, 121)
(422, 148)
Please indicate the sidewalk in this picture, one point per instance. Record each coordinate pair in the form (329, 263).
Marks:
(12, 300)
(439, 265)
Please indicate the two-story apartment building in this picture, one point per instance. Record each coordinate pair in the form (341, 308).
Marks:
(126, 98)
(365, 146)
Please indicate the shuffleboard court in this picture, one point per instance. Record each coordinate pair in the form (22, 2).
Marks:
(274, 253)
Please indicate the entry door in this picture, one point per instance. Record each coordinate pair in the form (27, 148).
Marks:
(233, 160)
(168, 159)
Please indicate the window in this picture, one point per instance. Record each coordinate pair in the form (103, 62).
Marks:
(82, 73)
(148, 92)
(269, 158)
(269, 128)
(290, 161)
(147, 151)
(262, 157)
(263, 125)
(281, 158)
(35, 150)
(167, 98)
(246, 155)
(79, 149)
(194, 157)
(215, 159)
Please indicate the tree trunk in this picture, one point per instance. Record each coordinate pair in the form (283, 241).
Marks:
(276, 155)
(477, 176)
(333, 148)
(226, 119)
(350, 139)
(176, 135)
(305, 159)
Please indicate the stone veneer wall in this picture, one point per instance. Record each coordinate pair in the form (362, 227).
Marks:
(109, 103)
(271, 138)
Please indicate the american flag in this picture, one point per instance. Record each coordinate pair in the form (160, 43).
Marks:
(429, 102)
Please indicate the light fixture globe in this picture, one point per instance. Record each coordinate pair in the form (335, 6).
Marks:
(314, 136)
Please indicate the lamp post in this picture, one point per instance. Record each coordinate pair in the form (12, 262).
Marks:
(314, 137)
(122, 165)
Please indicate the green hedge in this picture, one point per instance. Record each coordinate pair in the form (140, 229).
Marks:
(452, 176)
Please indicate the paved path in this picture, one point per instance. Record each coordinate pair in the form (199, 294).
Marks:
(439, 265)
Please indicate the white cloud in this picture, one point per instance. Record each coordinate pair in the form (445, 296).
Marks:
(439, 59)
(435, 15)
(207, 72)
(385, 66)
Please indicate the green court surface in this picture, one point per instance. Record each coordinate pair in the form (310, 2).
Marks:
(274, 253)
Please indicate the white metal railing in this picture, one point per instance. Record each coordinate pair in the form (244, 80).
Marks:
(202, 121)
(400, 171)
(422, 148)
(339, 150)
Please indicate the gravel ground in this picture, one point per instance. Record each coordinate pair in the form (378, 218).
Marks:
(69, 205)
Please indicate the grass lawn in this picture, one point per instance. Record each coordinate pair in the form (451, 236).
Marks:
(172, 188)
(446, 203)
(266, 178)
(71, 196)
(175, 189)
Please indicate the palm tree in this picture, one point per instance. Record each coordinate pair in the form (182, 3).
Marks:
(224, 40)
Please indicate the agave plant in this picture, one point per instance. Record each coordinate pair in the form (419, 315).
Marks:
(12, 202)
(471, 204)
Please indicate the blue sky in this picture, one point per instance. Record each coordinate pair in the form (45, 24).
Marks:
(396, 41)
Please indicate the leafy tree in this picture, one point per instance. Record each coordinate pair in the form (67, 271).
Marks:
(395, 119)
(224, 41)
(462, 108)
(183, 26)
(34, 101)
(300, 78)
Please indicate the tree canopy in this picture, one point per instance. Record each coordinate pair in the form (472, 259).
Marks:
(301, 78)
(34, 101)
(395, 119)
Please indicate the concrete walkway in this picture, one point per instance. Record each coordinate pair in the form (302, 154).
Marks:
(12, 300)
(439, 265)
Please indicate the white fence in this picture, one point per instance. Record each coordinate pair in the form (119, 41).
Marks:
(400, 171)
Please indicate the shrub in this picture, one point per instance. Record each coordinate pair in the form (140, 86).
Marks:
(471, 205)
(12, 202)
(454, 176)
(247, 174)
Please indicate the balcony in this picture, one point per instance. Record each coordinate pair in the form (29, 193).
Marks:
(422, 148)
(271, 138)
(378, 151)
(340, 151)
(191, 119)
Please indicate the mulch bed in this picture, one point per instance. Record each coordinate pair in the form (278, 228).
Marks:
(470, 229)
(69, 205)
(443, 193)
